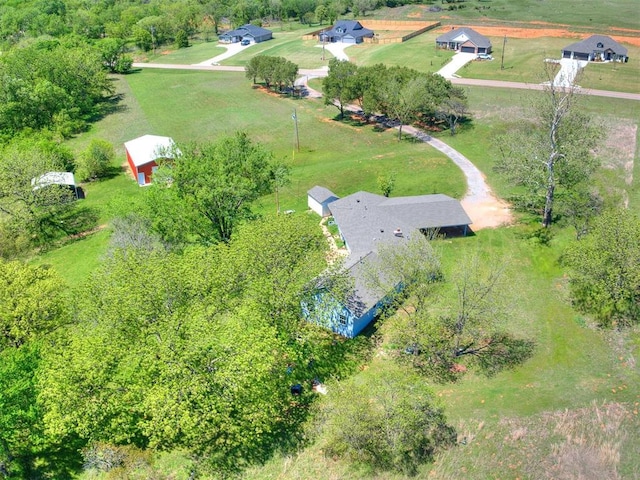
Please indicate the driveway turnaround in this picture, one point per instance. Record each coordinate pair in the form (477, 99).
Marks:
(458, 61)
(337, 49)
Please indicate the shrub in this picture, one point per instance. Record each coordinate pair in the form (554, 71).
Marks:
(95, 161)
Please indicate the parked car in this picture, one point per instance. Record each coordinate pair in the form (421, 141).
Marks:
(245, 42)
(484, 56)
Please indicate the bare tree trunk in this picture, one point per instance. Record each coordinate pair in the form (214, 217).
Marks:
(551, 187)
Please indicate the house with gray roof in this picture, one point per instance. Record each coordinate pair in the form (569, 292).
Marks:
(366, 221)
(596, 48)
(346, 31)
(249, 32)
(464, 40)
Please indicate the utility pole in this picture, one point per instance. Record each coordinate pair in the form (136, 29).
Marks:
(504, 42)
(295, 122)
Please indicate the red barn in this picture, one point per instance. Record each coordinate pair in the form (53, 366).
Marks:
(143, 153)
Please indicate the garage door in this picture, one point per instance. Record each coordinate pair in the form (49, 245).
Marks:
(348, 39)
(468, 49)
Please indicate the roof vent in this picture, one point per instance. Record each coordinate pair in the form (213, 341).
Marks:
(397, 232)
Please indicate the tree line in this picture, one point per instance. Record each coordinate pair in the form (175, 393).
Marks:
(403, 95)
(152, 24)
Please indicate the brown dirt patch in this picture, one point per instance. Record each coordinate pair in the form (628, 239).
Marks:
(490, 213)
(557, 32)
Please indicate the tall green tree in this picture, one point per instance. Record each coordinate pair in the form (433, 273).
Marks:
(217, 181)
(26, 208)
(50, 84)
(338, 85)
(32, 303)
(190, 350)
(604, 275)
(389, 420)
(453, 108)
(94, 162)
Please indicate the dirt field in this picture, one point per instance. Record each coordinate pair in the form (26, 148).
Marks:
(617, 34)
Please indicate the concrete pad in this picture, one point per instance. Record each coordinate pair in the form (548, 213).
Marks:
(458, 61)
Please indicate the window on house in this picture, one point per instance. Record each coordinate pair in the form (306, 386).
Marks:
(342, 319)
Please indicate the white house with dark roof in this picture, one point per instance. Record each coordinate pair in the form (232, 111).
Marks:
(464, 40)
(366, 221)
(249, 32)
(596, 48)
(346, 31)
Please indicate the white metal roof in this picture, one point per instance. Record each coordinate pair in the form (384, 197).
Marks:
(148, 148)
(53, 178)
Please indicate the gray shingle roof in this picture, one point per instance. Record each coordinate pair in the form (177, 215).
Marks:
(366, 219)
(473, 36)
(321, 194)
(590, 45)
(254, 30)
(348, 27)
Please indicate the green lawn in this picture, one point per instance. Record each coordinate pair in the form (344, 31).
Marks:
(196, 53)
(523, 59)
(288, 44)
(619, 77)
(418, 53)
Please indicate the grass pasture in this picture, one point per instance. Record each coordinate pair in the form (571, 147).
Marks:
(589, 15)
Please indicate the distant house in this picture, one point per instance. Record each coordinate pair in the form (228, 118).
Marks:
(143, 154)
(464, 40)
(318, 199)
(346, 31)
(596, 48)
(366, 221)
(252, 33)
(65, 179)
